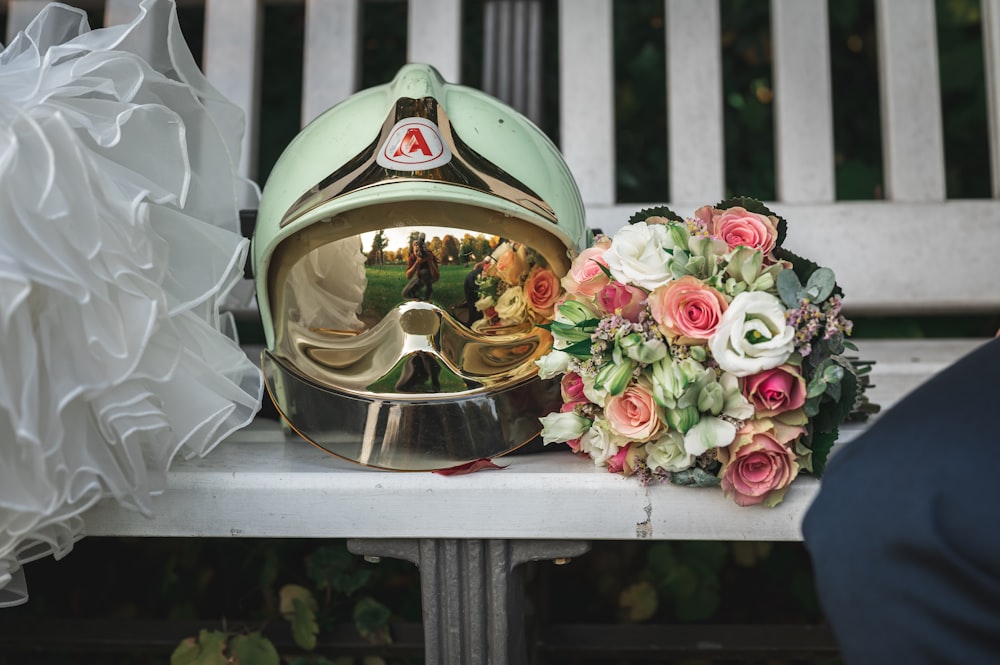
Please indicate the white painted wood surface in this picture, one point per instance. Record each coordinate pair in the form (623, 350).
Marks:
(586, 93)
(434, 35)
(258, 484)
(695, 144)
(331, 68)
(912, 143)
(803, 101)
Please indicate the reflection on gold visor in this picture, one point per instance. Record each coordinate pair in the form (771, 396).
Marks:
(406, 334)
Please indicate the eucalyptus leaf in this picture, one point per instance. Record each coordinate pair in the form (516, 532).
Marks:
(789, 288)
(255, 649)
(696, 477)
(820, 284)
(816, 387)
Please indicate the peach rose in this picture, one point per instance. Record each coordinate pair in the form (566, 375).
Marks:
(511, 263)
(633, 414)
(776, 390)
(629, 301)
(739, 227)
(687, 308)
(761, 463)
(542, 290)
(585, 276)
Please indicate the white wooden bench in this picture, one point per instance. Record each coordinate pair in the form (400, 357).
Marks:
(468, 533)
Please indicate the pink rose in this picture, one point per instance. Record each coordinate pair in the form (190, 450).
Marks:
(571, 386)
(761, 463)
(633, 414)
(740, 227)
(511, 263)
(628, 301)
(687, 308)
(585, 276)
(542, 290)
(624, 461)
(775, 391)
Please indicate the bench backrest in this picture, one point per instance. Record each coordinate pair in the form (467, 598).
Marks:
(914, 251)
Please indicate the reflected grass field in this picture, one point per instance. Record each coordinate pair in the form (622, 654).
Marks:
(385, 286)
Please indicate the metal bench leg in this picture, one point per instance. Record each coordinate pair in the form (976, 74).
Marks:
(471, 592)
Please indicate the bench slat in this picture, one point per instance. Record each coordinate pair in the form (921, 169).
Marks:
(331, 69)
(586, 97)
(695, 145)
(991, 54)
(803, 110)
(912, 143)
(873, 246)
(434, 37)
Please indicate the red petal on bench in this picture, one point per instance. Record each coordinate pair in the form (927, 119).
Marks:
(469, 467)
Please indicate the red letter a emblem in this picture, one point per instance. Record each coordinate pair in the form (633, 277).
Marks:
(412, 142)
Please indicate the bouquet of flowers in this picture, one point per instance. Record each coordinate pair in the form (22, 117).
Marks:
(701, 352)
(516, 286)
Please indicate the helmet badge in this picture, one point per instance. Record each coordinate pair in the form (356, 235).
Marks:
(414, 144)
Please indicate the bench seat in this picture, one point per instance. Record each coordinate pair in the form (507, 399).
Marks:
(257, 483)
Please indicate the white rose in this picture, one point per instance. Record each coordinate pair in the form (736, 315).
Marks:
(560, 427)
(485, 303)
(752, 335)
(512, 306)
(553, 364)
(637, 255)
(668, 453)
(599, 443)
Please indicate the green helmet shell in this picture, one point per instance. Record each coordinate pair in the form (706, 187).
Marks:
(409, 380)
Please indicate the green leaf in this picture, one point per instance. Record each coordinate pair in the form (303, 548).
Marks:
(255, 649)
(658, 211)
(833, 413)
(298, 606)
(695, 476)
(186, 652)
(208, 649)
(816, 387)
(304, 626)
(639, 601)
(371, 618)
(328, 567)
(820, 284)
(822, 444)
(712, 554)
(789, 288)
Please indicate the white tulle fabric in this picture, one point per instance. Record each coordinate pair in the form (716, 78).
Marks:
(119, 239)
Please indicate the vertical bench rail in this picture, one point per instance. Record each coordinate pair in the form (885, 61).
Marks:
(695, 151)
(803, 101)
(912, 143)
(586, 94)
(991, 54)
(434, 35)
(331, 67)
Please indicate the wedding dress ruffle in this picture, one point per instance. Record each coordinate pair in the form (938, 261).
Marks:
(119, 219)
